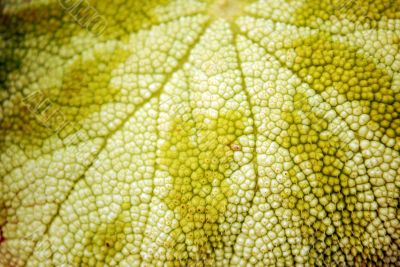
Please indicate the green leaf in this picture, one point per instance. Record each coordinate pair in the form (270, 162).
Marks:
(199, 133)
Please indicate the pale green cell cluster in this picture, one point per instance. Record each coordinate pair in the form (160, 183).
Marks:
(200, 133)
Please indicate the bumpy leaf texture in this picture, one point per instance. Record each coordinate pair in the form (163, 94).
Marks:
(200, 133)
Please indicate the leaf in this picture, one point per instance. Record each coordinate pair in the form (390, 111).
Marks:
(216, 133)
